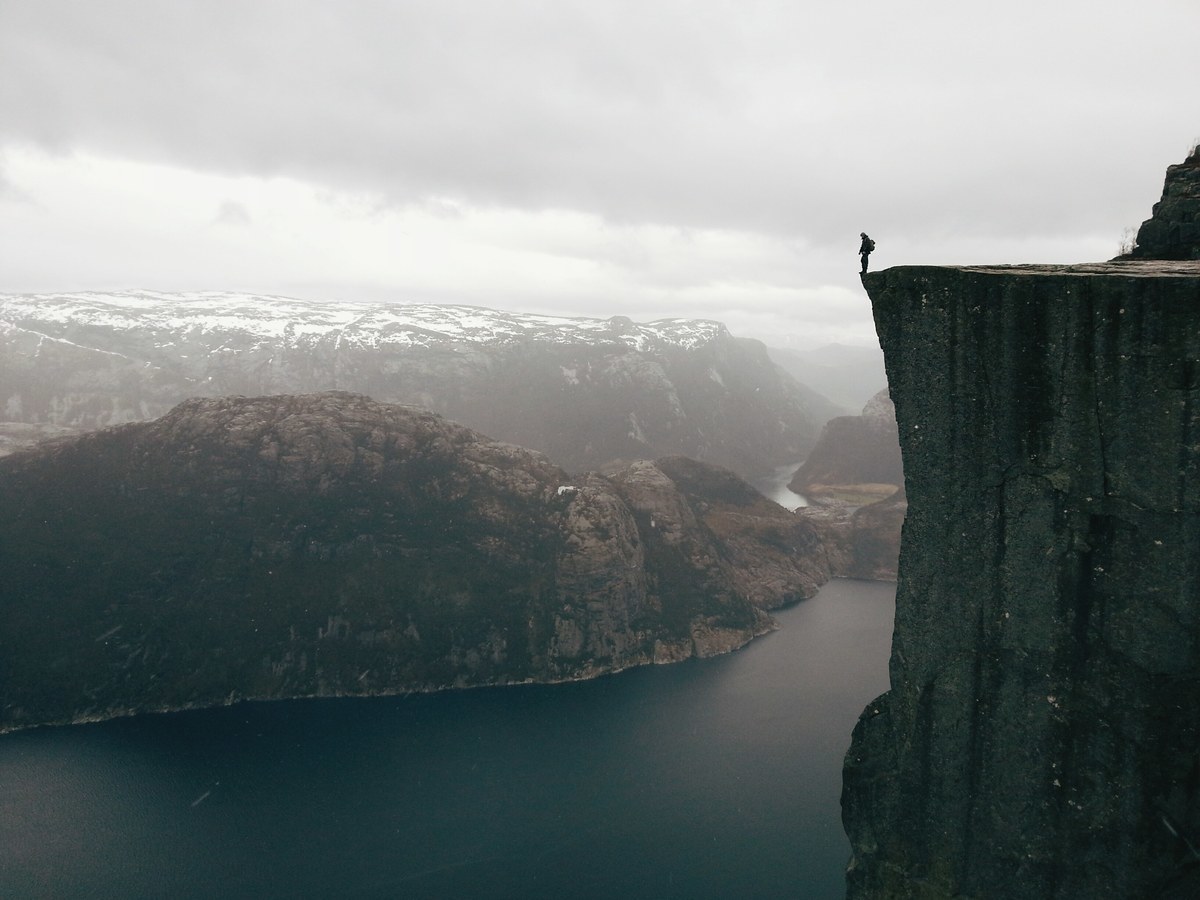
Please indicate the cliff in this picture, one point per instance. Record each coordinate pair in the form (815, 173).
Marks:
(1173, 229)
(327, 544)
(1041, 737)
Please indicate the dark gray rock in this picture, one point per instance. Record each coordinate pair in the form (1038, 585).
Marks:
(1173, 229)
(1042, 734)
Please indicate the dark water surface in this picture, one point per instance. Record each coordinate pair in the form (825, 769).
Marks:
(713, 778)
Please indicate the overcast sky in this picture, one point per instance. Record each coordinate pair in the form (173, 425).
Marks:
(652, 158)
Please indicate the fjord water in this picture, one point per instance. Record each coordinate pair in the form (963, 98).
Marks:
(775, 487)
(710, 778)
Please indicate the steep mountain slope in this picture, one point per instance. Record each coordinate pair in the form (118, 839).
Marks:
(852, 450)
(583, 391)
(329, 544)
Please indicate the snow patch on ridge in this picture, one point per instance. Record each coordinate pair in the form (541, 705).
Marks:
(287, 321)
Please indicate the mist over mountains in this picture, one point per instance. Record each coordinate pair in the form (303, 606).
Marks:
(848, 375)
(583, 391)
(258, 537)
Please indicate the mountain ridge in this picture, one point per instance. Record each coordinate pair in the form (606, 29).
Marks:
(405, 324)
(585, 391)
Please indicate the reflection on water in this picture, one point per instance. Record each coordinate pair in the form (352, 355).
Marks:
(710, 778)
(775, 486)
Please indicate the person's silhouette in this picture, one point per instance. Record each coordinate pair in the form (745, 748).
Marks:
(865, 248)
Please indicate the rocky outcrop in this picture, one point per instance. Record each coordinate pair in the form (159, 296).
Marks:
(1042, 734)
(854, 450)
(860, 541)
(854, 481)
(328, 544)
(760, 551)
(582, 391)
(1173, 229)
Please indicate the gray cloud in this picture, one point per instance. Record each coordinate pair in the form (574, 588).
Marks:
(10, 191)
(793, 119)
(232, 213)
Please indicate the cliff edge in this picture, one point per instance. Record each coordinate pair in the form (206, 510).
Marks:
(1042, 734)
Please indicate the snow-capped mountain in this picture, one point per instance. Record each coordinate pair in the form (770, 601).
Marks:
(283, 321)
(583, 390)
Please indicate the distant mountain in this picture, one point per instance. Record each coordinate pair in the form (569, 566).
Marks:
(854, 479)
(848, 375)
(860, 541)
(583, 391)
(329, 544)
(854, 450)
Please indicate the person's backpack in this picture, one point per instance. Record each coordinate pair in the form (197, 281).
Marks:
(870, 245)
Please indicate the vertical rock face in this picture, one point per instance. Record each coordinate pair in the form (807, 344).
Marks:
(1173, 231)
(1042, 734)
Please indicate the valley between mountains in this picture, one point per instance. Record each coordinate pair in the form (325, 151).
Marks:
(179, 545)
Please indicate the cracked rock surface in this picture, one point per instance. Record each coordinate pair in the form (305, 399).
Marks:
(1042, 734)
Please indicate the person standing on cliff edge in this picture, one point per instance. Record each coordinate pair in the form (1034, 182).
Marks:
(864, 249)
